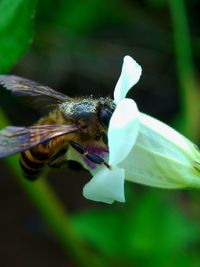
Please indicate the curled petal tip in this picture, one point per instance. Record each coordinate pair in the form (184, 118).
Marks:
(130, 75)
(106, 186)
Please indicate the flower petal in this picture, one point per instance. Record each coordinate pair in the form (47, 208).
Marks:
(123, 130)
(130, 75)
(161, 157)
(106, 186)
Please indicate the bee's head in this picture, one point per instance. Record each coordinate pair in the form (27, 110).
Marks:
(89, 111)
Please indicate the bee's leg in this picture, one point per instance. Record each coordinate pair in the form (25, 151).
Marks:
(89, 155)
(58, 159)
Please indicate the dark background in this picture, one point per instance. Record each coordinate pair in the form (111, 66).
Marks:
(78, 49)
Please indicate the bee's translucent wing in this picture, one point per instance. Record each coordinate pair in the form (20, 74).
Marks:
(17, 139)
(31, 92)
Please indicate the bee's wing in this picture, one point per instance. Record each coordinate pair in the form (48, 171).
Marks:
(31, 92)
(17, 139)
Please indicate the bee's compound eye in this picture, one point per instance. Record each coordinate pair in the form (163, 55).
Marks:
(105, 115)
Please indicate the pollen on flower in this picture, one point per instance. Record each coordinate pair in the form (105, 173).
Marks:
(99, 151)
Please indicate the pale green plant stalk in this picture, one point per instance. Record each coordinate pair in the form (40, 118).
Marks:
(53, 212)
(185, 70)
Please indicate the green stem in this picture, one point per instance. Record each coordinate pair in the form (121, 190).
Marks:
(185, 68)
(53, 213)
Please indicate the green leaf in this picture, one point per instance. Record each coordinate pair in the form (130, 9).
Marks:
(16, 30)
(100, 227)
(159, 227)
(148, 230)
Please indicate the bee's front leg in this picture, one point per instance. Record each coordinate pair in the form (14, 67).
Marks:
(89, 155)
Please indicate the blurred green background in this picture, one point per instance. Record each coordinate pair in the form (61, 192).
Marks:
(77, 47)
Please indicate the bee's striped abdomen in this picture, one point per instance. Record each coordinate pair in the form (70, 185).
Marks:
(32, 163)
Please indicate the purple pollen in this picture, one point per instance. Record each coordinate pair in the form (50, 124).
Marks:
(100, 151)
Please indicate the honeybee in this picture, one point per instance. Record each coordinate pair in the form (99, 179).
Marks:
(80, 123)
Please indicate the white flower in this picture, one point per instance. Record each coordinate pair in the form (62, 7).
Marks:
(108, 185)
(141, 149)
